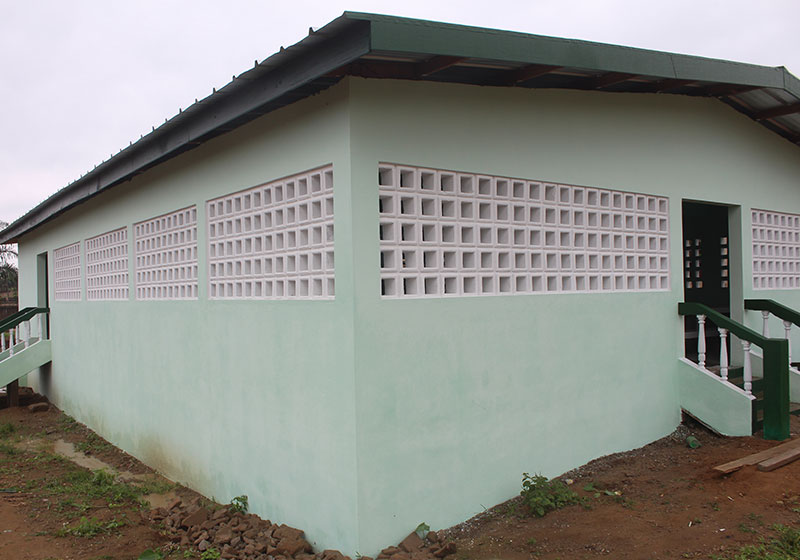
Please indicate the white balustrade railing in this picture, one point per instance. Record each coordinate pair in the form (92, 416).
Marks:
(748, 368)
(701, 341)
(724, 363)
(787, 334)
(723, 353)
(21, 336)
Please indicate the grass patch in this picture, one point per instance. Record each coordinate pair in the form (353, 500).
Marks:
(81, 484)
(67, 423)
(543, 496)
(71, 508)
(8, 449)
(784, 546)
(93, 444)
(154, 486)
(89, 528)
(6, 429)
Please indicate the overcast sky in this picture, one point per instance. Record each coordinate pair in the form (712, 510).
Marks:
(79, 79)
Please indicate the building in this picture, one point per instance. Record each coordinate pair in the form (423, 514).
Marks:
(381, 274)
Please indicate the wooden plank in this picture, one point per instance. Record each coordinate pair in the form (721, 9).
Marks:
(758, 457)
(780, 460)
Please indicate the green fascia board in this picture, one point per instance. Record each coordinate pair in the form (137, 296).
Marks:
(402, 35)
(25, 361)
(791, 83)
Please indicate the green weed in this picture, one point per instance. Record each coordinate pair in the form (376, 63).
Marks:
(746, 528)
(90, 528)
(786, 546)
(93, 444)
(239, 504)
(542, 495)
(83, 484)
(6, 429)
(210, 554)
(67, 423)
(8, 449)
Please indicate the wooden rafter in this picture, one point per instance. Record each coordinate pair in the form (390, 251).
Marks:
(529, 72)
(609, 79)
(777, 111)
(436, 64)
(721, 90)
(670, 84)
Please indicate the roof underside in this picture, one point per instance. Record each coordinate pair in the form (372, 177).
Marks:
(373, 46)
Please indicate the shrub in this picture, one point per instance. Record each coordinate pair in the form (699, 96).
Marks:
(542, 495)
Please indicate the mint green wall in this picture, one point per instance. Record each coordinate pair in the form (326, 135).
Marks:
(245, 397)
(357, 419)
(456, 398)
(717, 404)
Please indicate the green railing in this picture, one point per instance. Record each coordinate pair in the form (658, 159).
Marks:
(775, 367)
(10, 335)
(20, 317)
(777, 309)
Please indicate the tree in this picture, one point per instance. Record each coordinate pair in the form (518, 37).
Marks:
(8, 279)
(8, 252)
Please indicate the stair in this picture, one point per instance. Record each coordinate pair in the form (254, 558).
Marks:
(24, 360)
(735, 376)
(24, 344)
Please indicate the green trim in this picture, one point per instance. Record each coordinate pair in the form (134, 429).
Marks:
(21, 316)
(777, 309)
(693, 308)
(303, 69)
(776, 368)
(403, 35)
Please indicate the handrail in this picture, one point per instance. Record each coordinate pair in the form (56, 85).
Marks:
(777, 309)
(693, 308)
(775, 366)
(21, 316)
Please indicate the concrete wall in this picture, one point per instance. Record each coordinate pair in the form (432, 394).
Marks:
(357, 419)
(721, 406)
(229, 397)
(457, 397)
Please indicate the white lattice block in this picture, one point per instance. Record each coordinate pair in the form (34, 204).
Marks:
(107, 266)
(776, 250)
(446, 233)
(67, 272)
(166, 256)
(274, 241)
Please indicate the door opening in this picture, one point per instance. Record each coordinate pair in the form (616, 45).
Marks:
(42, 291)
(706, 268)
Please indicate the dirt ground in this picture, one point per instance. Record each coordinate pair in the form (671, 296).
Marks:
(660, 501)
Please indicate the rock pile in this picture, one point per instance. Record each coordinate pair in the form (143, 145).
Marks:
(234, 534)
(414, 547)
(240, 536)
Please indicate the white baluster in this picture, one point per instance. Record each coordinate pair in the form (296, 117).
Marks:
(11, 342)
(39, 326)
(787, 327)
(748, 368)
(701, 340)
(765, 330)
(26, 332)
(2, 342)
(723, 353)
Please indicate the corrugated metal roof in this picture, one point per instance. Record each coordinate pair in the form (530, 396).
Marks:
(377, 46)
